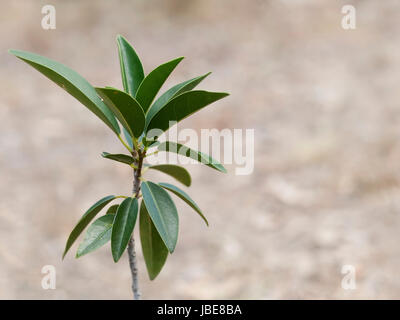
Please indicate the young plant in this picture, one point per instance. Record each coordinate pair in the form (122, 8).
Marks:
(134, 112)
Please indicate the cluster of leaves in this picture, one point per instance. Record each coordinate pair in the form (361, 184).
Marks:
(134, 110)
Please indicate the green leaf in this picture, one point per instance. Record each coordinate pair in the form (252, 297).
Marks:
(98, 234)
(128, 137)
(125, 108)
(173, 92)
(177, 172)
(163, 213)
(181, 107)
(124, 158)
(112, 209)
(122, 229)
(73, 83)
(85, 220)
(155, 252)
(152, 83)
(131, 67)
(185, 197)
(195, 155)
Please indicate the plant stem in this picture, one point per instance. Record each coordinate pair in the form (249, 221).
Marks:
(137, 173)
(131, 245)
(134, 269)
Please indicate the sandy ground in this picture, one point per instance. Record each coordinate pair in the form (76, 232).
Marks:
(323, 101)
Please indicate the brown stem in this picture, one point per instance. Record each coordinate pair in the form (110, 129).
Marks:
(139, 155)
(137, 173)
(134, 269)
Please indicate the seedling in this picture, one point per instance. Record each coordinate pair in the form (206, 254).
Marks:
(134, 118)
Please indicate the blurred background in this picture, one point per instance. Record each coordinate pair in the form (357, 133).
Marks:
(324, 105)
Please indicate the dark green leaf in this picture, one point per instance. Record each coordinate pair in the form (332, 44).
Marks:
(131, 67)
(154, 250)
(125, 108)
(122, 229)
(187, 152)
(73, 83)
(124, 158)
(173, 92)
(113, 209)
(152, 83)
(98, 234)
(185, 197)
(181, 107)
(163, 213)
(177, 172)
(85, 220)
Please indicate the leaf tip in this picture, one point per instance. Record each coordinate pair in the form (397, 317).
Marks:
(223, 170)
(224, 94)
(15, 52)
(152, 276)
(120, 37)
(179, 59)
(115, 254)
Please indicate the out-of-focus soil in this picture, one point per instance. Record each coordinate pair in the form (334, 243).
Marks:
(324, 103)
